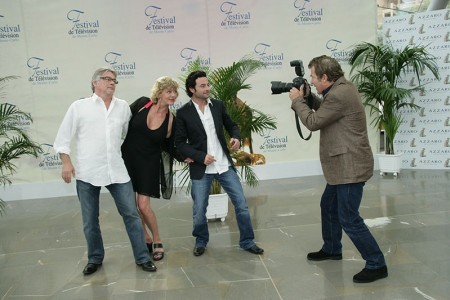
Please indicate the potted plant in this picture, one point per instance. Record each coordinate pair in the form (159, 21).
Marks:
(378, 71)
(14, 141)
(225, 83)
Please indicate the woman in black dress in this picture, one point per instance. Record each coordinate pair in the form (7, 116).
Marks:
(150, 128)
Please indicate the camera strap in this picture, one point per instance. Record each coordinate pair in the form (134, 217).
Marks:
(299, 130)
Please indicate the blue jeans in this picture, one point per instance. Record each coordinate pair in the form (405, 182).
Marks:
(232, 186)
(339, 206)
(125, 202)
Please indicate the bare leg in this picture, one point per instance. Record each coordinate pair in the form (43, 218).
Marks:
(148, 239)
(148, 217)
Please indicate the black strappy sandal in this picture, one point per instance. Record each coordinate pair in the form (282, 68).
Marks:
(158, 251)
(150, 247)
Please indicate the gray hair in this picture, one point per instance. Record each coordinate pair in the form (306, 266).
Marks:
(100, 72)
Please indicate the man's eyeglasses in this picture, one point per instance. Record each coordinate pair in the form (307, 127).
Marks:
(109, 79)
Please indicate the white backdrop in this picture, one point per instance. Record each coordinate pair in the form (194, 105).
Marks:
(424, 136)
(55, 46)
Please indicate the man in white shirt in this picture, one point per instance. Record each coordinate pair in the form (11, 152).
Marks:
(199, 135)
(99, 124)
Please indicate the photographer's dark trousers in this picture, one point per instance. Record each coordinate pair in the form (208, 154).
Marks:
(340, 211)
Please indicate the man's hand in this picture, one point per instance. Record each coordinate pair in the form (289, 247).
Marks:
(306, 88)
(209, 159)
(68, 171)
(304, 91)
(235, 144)
(295, 93)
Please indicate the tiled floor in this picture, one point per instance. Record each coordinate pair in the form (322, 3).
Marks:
(42, 250)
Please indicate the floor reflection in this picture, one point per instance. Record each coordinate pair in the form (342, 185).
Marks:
(42, 251)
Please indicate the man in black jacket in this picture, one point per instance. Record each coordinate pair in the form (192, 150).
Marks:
(199, 135)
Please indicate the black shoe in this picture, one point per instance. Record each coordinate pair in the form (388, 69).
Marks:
(91, 268)
(148, 266)
(199, 251)
(369, 275)
(321, 255)
(255, 250)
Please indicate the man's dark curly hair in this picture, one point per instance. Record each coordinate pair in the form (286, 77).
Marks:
(190, 81)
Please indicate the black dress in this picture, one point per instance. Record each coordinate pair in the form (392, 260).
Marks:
(141, 152)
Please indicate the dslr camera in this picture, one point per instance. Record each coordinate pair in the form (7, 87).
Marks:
(279, 87)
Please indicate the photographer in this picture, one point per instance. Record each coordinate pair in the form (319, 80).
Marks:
(347, 163)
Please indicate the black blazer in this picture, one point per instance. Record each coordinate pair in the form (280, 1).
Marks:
(190, 136)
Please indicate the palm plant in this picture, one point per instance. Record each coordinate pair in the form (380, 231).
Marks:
(225, 83)
(14, 141)
(379, 69)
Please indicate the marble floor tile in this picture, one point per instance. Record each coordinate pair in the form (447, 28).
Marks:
(43, 251)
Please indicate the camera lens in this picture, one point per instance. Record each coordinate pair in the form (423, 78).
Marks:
(279, 87)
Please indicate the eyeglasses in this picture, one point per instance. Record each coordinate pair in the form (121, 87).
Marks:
(109, 79)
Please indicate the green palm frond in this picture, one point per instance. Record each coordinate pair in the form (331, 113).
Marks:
(262, 121)
(226, 82)
(13, 148)
(377, 70)
(3, 80)
(14, 140)
(246, 172)
(9, 115)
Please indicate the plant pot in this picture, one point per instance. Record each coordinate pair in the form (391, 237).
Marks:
(390, 163)
(217, 207)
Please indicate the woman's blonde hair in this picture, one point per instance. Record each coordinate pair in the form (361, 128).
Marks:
(161, 84)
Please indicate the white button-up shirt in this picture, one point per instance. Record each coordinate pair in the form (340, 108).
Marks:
(213, 144)
(99, 133)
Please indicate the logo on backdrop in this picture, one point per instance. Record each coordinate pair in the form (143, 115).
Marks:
(159, 24)
(423, 112)
(190, 54)
(273, 143)
(306, 14)
(431, 162)
(439, 131)
(271, 59)
(234, 18)
(124, 69)
(437, 90)
(432, 119)
(336, 49)
(430, 16)
(8, 32)
(41, 73)
(19, 121)
(438, 26)
(49, 160)
(80, 27)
